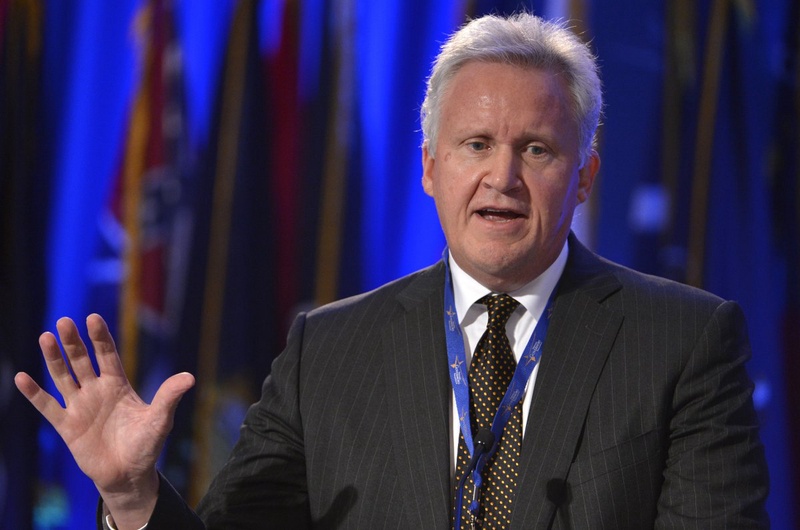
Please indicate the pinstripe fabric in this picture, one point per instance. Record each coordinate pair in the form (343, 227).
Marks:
(641, 416)
(644, 409)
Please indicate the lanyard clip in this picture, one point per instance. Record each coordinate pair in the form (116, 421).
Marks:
(472, 517)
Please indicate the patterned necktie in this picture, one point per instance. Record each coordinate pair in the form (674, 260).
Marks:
(490, 373)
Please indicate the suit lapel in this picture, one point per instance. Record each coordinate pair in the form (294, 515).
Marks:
(418, 393)
(580, 337)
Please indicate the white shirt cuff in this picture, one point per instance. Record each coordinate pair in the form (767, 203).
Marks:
(110, 523)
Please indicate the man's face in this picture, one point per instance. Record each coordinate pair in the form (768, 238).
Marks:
(507, 177)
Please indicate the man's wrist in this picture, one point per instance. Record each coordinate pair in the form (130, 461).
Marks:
(132, 511)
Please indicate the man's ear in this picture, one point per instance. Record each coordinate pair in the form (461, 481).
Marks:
(586, 176)
(427, 169)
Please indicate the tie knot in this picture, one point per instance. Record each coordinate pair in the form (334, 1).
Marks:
(500, 308)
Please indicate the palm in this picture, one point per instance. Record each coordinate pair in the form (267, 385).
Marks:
(111, 432)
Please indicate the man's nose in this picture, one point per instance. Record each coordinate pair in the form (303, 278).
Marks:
(504, 171)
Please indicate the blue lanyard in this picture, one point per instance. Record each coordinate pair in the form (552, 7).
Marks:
(458, 376)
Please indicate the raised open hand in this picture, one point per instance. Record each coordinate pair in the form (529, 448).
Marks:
(114, 436)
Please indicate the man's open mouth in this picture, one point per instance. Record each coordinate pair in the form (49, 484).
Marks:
(491, 214)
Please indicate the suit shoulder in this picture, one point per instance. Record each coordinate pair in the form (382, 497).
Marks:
(605, 280)
(641, 290)
(639, 280)
(389, 297)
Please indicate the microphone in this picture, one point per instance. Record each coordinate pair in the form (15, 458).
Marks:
(482, 445)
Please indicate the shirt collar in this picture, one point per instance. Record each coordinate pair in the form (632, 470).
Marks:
(532, 296)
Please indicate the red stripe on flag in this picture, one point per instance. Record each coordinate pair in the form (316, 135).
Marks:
(282, 75)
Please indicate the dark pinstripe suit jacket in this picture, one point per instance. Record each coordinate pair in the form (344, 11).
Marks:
(641, 417)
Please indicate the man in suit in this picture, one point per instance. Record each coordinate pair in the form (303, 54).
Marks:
(639, 414)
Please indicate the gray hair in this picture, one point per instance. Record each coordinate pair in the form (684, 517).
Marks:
(521, 40)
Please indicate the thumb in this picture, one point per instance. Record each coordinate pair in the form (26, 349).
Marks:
(170, 392)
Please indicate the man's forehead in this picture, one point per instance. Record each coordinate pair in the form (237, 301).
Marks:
(476, 84)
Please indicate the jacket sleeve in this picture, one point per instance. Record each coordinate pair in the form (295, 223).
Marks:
(716, 472)
(263, 484)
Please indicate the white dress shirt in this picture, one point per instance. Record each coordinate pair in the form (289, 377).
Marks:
(472, 317)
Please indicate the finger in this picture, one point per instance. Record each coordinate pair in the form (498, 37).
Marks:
(104, 348)
(77, 355)
(56, 365)
(46, 404)
(170, 393)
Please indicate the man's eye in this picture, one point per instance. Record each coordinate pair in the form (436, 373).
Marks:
(536, 150)
(477, 146)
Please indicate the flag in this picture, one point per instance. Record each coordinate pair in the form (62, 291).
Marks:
(95, 53)
(152, 206)
(141, 267)
(231, 309)
(785, 196)
(22, 229)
